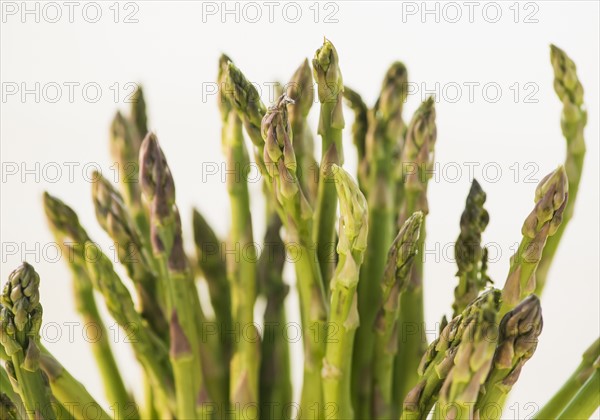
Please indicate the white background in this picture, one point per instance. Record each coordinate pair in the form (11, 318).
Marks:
(173, 50)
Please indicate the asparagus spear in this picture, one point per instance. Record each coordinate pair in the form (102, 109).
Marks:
(543, 221)
(242, 268)
(399, 263)
(72, 394)
(158, 188)
(71, 237)
(471, 258)
(6, 385)
(587, 399)
(518, 338)
(275, 376)
(331, 122)
(573, 121)
(472, 363)
(569, 389)
(438, 360)
(8, 409)
(20, 323)
(301, 90)
(417, 163)
(138, 113)
(385, 124)
(343, 316)
(132, 252)
(359, 134)
(296, 215)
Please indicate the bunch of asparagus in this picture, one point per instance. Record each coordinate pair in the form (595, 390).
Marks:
(359, 275)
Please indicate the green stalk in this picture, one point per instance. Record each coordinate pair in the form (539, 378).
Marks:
(383, 137)
(343, 316)
(8, 409)
(20, 323)
(296, 214)
(568, 390)
(331, 122)
(300, 89)
(182, 297)
(471, 258)
(573, 121)
(587, 399)
(543, 222)
(275, 377)
(71, 237)
(6, 385)
(396, 275)
(72, 394)
(417, 164)
(360, 127)
(519, 332)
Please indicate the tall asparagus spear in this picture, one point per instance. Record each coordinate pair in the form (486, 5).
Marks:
(343, 316)
(470, 257)
(275, 376)
(439, 358)
(242, 268)
(587, 400)
(360, 127)
(573, 121)
(296, 215)
(158, 188)
(71, 237)
(301, 90)
(131, 251)
(139, 116)
(569, 389)
(331, 122)
(20, 323)
(383, 137)
(518, 338)
(543, 222)
(399, 263)
(417, 164)
(472, 362)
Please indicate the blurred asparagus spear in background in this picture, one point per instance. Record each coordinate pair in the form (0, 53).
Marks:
(573, 121)
(360, 127)
(587, 398)
(417, 163)
(470, 257)
(71, 237)
(383, 138)
(139, 116)
(343, 315)
(330, 88)
(241, 269)
(518, 337)
(20, 323)
(543, 222)
(569, 389)
(301, 90)
(399, 263)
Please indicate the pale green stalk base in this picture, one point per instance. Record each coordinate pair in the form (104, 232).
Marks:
(585, 402)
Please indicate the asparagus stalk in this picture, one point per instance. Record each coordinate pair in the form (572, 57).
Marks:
(296, 215)
(343, 316)
(72, 394)
(472, 363)
(20, 323)
(301, 90)
(132, 252)
(587, 399)
(8, 409)
(396, 275)
(470, 257)
(275, 376)
(417, 164)
(10, 393)
(573, 121)
(138, 113)
(518, 338)
(543, 222)
(360, 127)
(439, 357)
(71, 237)
(158, 188)
(385, 124)
(331, 122)
(569, 389)
(242, 268)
